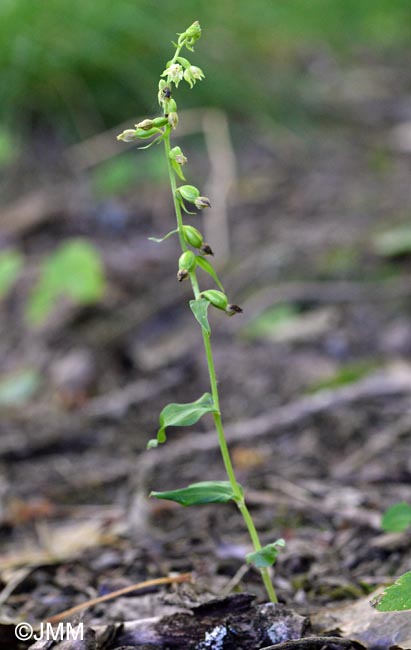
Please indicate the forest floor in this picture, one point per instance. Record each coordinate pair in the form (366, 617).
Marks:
(315, 381)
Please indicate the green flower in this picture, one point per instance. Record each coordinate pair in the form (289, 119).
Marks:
(174, 73)
(193, 74)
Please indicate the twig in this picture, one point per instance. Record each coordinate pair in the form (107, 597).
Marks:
(184, 577)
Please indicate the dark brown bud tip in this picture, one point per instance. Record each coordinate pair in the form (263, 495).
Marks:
(233, 309)
(206, 249)
(182, 274)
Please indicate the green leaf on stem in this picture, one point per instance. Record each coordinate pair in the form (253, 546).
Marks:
(199, 493)
(182, 415)
(199, 308)
(159, 240)
(177, 169)
(397, 518)
(397, 597)
(267, 556)
(208, 268)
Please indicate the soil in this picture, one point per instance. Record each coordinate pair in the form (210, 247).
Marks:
(316, 395)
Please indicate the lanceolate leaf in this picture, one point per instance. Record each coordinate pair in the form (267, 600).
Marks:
(208, 268)
(177, 169)
(397, 518)
(396, 598)
(267, 556)
(182, 415)
(159, 240)
(199, 308)
(199, 493)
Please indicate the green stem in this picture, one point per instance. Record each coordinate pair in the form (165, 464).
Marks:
(237, 491)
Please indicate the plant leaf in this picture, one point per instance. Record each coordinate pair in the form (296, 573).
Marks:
(267, 556)
(159, 240)
(177, 169)
(74, 270)
(11, 263)
(199, 308)
(397, 597)
(182, 415)
(397, 518)
(199, 493)
(208, 268)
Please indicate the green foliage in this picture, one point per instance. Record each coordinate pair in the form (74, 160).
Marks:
(397, 518)
(199, 308)
(182, 415)
(271, 320)
(97, 60)
(267, 556)
(394, 242)
(8, 148)
(349, 373)
(11, 263)
(397, 597)
(19, 387)
(74, 271)
(200, 493)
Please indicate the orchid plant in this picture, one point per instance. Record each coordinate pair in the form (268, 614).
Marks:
(195, 254)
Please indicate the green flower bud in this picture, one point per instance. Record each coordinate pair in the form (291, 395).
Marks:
(187, 261)
(193, 236)
(188, 193)
(129, 135)
(160, 121)
(177, 155)
(173, 119)
(217, 298)
(202, 202)
(146, 133)
(145, 125)
(194, 31)
(170, 106)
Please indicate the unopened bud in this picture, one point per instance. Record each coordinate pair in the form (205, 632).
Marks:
(193, 236)
(188, 193)
(177, 155)
(206, 249)
(194, 31)
(182, 274)
(187, 261)
(145, 125)
(129, 135)
(173, 119)
(202, 202)
(217, 298)
(233, 309)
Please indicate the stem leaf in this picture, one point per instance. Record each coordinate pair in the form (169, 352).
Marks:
(208, 268)
(199, 493)
(199, 308)
(177, 169)
(159, 240)
(397, 597)
(182, 415)
(267, 556)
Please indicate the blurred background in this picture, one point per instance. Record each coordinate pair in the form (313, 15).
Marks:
(300, 134)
